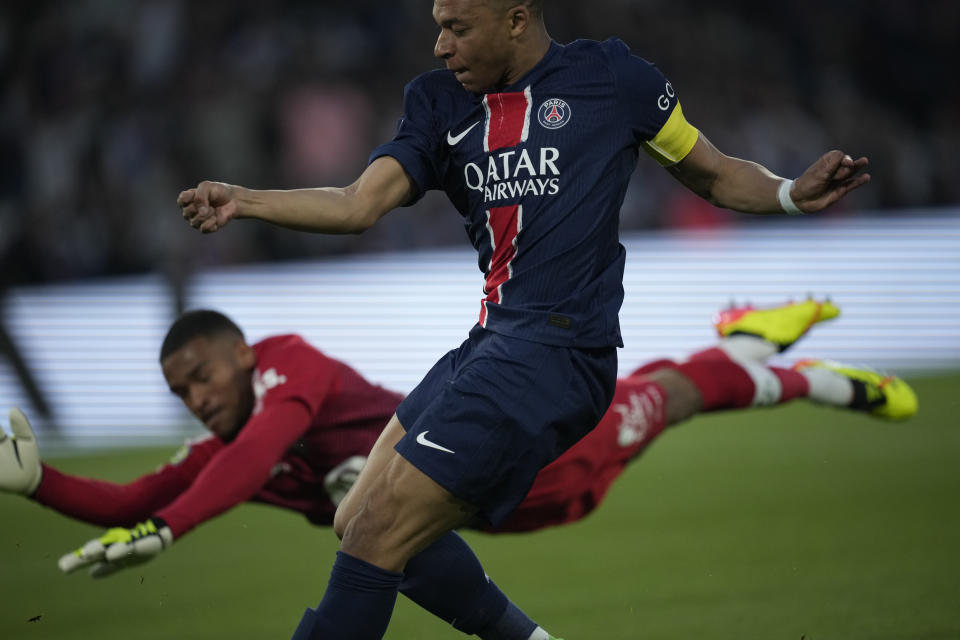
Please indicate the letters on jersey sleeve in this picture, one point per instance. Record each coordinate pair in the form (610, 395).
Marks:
(291, 370)
(653, 110)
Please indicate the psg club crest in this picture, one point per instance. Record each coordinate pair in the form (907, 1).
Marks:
(554, 113)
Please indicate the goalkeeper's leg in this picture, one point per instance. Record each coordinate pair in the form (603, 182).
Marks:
(711, 381)
(733, 374)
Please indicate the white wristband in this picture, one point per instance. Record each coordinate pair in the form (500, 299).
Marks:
(786, 202)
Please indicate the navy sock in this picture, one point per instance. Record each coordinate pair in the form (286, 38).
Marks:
(357, 604)
(447, 580)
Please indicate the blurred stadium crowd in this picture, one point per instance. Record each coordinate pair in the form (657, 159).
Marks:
(110, 107)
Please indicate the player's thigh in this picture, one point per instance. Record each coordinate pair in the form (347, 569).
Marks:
(380, 456)
(403, 511)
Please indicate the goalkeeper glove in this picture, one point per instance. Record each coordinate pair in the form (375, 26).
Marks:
(19, 460)
(339, 479)
(119, 548)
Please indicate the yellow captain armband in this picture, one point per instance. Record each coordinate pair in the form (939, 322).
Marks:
(674, 140)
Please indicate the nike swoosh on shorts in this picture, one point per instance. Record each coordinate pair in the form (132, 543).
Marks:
(422, 439)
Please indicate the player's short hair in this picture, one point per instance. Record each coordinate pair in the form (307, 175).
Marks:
(200, 322)
(535, 6)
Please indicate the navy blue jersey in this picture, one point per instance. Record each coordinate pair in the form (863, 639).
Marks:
(538, 171)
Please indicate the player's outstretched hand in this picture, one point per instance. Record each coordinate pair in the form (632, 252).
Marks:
(119, 548)
(20, 469)
(827, 180)
(209, 206)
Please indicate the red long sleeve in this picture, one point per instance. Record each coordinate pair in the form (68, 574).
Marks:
(241, 469)
(110, 504)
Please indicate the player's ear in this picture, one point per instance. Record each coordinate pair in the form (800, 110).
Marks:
(246, 356)
(519, 19)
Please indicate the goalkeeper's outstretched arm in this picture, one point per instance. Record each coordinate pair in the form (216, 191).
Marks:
(96, 502)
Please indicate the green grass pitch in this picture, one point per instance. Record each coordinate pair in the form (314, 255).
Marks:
(794, 522)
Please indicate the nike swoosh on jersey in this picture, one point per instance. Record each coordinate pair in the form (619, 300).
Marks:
(422, 439)
(453, 140)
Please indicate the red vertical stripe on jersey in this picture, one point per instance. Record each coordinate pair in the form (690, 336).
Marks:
(503, 224)
(508, 119)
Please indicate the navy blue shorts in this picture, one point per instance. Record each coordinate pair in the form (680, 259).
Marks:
(490, 414)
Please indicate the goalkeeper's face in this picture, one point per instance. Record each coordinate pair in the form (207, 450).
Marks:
(214, 379)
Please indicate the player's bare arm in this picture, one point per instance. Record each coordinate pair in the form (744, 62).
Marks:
(383, 186)
(746, 186)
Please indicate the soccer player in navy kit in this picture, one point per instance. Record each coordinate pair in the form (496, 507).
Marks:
(534, 143)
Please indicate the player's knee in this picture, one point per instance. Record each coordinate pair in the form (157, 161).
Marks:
(375, 532)
(346, 511)
(400, 514)
(340, 520)
(683, 397)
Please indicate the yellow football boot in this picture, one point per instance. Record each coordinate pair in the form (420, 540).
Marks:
(879, 394)
(782, 325)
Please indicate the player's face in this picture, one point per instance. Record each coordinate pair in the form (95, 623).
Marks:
(475, 42)
(214, 379)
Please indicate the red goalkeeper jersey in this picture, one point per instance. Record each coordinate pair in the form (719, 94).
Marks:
(314, 423)
(315, 419)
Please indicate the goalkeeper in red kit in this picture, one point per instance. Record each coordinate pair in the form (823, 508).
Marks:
(292, 427)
